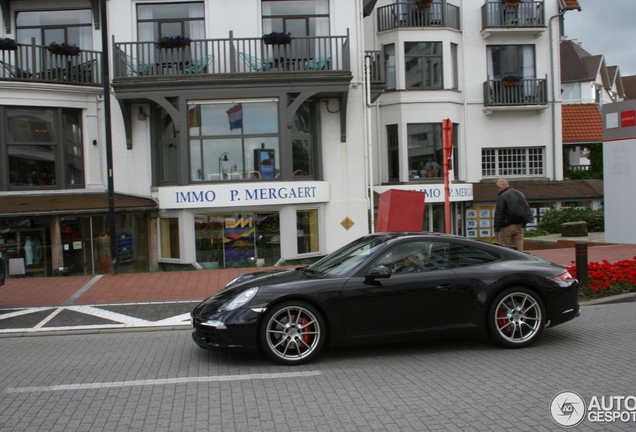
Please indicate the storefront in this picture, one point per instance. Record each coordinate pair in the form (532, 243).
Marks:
(68, 234)
(241, 225)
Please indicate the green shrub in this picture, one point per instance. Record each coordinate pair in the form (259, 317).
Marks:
(536, 233)
(552, 220)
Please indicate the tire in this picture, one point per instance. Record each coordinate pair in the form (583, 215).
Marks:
(292, 333)
(516, 318)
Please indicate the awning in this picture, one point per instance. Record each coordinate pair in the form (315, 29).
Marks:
(71, 204)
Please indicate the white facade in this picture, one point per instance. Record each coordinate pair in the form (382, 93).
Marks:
(535, 125)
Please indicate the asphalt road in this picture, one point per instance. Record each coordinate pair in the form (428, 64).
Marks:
(160, 381)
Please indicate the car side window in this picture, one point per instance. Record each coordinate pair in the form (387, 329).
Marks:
(466, 256)
(415, 256)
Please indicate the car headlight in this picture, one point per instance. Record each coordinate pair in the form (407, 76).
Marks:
(239, 300)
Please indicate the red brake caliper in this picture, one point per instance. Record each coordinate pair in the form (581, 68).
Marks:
(501, 322)
(306, 337)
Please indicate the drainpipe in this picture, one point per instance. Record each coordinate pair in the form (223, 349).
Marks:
(553, 91)
(369, 151)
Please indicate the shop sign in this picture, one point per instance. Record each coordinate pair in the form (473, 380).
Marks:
(242, 195)
(435, 192)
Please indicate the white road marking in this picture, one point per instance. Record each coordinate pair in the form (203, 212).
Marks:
(164, 381)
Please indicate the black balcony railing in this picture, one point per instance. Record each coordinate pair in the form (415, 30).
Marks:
(36, 63)
(232, 56)
(524, 92)
(526, 14)
(399, 15)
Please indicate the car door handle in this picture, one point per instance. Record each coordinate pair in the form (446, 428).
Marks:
(447, 287)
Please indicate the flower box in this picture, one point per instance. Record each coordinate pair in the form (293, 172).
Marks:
(64, 49)
(511, 3)
(510, 80)
(424, 3)
(275, 38)
(173, 42)
(8, 44)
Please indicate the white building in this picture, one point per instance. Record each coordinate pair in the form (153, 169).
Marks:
(493, 69)
(228, 150)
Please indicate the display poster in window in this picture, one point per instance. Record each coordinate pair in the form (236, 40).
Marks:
(485, 221)
(265, 162)
(238, 241)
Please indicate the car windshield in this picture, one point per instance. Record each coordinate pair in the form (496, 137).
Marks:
(348, 257)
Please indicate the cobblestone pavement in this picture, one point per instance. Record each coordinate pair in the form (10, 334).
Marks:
(160, 381)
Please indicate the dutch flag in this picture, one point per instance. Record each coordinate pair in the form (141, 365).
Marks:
(235, 116)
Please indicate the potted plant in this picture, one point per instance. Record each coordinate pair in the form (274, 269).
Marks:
(423, 3)
(8, 44)
(173, 42)
(63, 49)
(275, 38)
(511, 79)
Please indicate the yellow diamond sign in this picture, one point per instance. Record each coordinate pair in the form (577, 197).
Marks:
(347, 223)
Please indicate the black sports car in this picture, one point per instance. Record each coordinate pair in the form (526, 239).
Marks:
(388, 287)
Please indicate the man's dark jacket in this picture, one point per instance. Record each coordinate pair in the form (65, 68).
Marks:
(512, 208)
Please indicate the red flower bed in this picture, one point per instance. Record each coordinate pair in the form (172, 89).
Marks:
(605, 278)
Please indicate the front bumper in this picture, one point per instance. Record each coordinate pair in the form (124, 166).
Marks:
(234, 329)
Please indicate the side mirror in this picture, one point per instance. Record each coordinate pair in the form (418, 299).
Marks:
(379, 272)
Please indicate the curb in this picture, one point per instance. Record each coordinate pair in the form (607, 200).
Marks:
(619, 298)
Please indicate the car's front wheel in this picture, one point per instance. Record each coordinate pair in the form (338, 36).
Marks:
(516, 317)
(292, 333)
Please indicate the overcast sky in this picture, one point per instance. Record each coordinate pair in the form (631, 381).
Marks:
(606, 27)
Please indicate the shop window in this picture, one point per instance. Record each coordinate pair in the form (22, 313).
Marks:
(237, 240)
(169, 232)
(307, 231)
(44, 148)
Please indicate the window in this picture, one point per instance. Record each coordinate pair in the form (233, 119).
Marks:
(69, 26)
(466, 256)
(389, 64)
(169, 232)
(155, 21)
(44, 148)
(425, 150)
(455, 66)
(393, 152)
(234, 140)
(239, 140)
(299, 17)
(510, 60)
(423, 65)
(307, 231)
(237, 240)
(416, 256)
(512, 162)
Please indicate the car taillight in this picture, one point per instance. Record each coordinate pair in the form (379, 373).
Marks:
(564, 276)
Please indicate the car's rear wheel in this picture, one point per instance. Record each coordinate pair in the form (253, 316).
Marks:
(292, 333)
(516, 317)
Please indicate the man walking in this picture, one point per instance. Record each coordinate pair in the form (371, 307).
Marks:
(511, 215)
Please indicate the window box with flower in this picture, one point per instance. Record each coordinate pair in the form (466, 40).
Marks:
(275, 38)
(173, 42)
(64, 49)
(424, 3)
(511, 80)
(8, 44)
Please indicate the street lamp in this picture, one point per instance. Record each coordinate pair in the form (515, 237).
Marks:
(223, 158)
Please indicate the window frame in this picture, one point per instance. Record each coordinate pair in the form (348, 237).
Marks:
(436, 84)
(63, 158)
(493, 158)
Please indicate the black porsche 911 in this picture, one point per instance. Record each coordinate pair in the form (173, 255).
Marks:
(390, 287)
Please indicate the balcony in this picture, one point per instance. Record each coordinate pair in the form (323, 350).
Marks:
(409, 15)
(232, 56)
(526, 95)
(375, 74)
(526, 18)
(34, 63)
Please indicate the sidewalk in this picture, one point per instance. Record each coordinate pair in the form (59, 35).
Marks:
(32, 306)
